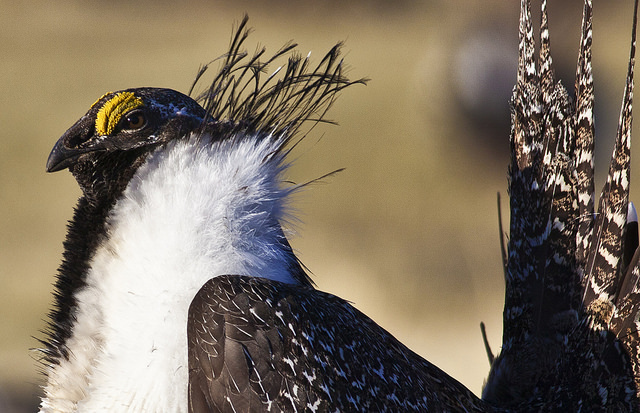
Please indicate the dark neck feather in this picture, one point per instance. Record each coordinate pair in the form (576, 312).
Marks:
(102, 184)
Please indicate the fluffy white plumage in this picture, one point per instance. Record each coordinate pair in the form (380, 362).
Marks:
(196, 209)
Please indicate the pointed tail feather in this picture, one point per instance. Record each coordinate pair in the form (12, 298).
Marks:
(571, 317)
(542, 190)
(585, 131)
(604, 258)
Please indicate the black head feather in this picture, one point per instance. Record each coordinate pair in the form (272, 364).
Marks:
(254, 97)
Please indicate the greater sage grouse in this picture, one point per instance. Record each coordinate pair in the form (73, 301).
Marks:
(179, 291)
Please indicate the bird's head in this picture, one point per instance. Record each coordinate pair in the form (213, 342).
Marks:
(104, 147)
(107, 145)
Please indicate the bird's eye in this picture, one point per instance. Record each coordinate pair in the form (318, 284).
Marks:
(134, 120)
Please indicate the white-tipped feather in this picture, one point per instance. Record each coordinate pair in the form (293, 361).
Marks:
(632, 215)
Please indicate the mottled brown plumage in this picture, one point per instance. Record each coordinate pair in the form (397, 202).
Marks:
(561, 345)
(256, 345)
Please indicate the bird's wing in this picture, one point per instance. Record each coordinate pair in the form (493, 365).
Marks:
(565, 278)
(257, 345)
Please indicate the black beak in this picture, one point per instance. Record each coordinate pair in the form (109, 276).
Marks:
(75, 142)
(62, 157)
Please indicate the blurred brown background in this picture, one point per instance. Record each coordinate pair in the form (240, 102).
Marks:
(408, 232)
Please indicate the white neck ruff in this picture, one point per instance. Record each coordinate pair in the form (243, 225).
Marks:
(196, 209)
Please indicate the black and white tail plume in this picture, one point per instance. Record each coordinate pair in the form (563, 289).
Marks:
(570, 337)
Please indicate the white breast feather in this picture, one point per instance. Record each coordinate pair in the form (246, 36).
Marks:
(193, 211)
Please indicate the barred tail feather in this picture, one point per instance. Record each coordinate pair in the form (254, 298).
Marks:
(572, 300)
(625, 320)
(542, 192)
(604, 259)
(585, 131)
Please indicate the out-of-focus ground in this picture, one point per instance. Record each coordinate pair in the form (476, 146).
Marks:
(408, 232)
